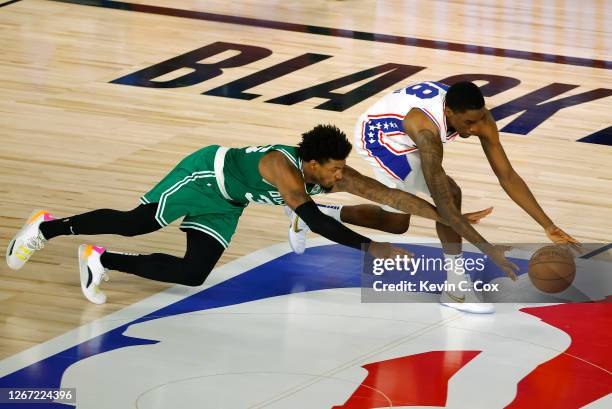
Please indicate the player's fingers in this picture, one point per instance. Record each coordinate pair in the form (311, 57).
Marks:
(571, 246)
(576, 246)
(485, 212)
(503, 248)
(402, 252)
(474, 218)
(510, 273)
(570, 241)
(408, 254)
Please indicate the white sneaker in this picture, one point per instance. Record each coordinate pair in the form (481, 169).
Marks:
(27, 240)
(297, 231)
(466, 301)
(92, 272)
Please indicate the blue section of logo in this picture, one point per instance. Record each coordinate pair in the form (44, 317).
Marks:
(374, 133)
(324, 267)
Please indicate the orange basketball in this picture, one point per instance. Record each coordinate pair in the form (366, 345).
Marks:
(552, 269)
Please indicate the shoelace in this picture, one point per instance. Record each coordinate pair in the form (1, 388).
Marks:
(106, 275)
(36, 243)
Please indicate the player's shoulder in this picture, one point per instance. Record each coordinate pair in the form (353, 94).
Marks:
(428, 96)
(281, 147)
(288, 151)
(428, 99)
(282, 155)
(426, 91)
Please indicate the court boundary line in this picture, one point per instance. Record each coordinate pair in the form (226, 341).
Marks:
(344, 33)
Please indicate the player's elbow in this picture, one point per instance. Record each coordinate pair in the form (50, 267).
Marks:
(507, 178)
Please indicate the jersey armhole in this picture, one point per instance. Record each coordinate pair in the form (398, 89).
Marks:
(298, 166)
(432, 119)
(294, 161)
(291, 160)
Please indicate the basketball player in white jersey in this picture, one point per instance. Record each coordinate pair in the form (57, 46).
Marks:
(402, 136)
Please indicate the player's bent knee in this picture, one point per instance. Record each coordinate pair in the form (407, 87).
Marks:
(196, 280)
(195, 274)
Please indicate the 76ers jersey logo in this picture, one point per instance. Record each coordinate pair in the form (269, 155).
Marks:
(383, 137)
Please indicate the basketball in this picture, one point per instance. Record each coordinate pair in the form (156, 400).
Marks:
(552, 269)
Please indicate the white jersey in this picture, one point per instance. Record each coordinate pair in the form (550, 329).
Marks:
(382, 134)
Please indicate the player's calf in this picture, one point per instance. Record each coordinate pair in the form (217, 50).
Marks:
(396, 223)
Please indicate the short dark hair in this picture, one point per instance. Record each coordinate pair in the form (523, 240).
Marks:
(322, 143)
(464, 96)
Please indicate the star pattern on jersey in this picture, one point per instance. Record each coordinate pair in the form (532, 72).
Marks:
(377, 127)
(374, 131)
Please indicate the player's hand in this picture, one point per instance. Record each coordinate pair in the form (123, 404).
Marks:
(475, 217)
(558, 236)
(387, 250)
(498, 256)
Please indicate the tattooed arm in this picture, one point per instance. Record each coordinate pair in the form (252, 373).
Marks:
(430, 148)
(277, 169)
(363, 186)
(360, 185)
(426, 136)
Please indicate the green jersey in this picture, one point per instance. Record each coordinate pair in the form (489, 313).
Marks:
(211, 187)
(241, 181)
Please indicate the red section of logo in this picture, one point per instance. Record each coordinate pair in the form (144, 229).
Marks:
(574, 378)
(414, 380)
(581, 374)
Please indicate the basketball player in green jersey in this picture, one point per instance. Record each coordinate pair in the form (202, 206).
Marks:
(209, 189)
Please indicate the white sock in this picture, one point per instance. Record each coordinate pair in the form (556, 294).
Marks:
(455, 271)
(331, 210)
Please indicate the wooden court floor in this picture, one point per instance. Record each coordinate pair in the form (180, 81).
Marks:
(82, 130)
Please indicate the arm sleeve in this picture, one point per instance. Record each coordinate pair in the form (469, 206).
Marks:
(330, 228)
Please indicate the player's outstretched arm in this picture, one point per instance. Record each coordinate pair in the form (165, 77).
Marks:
(424, 134)
(514, 185)
(430, 148)
(360, 185)
(276, 169)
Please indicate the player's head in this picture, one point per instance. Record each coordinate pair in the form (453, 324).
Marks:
(464, 107)
(324, 150)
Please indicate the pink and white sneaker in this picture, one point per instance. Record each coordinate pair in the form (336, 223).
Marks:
(92, 272)
(27, 240)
